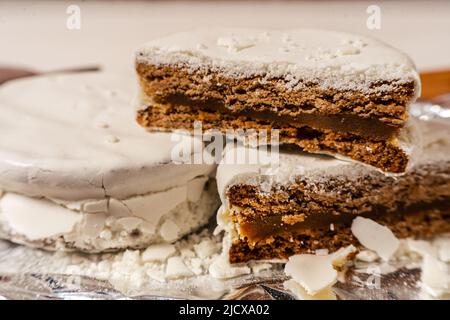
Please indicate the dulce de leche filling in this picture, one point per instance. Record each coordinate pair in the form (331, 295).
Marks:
(344, 123)
(261, 228)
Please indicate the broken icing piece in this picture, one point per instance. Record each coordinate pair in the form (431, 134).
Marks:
(312, 272)
(376, 237)
(177, 269)
(220, 268)
(316, 273)
(158, 252)
(302, 294)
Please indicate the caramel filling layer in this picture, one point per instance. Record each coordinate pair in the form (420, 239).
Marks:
(344, 123)
(259, 229)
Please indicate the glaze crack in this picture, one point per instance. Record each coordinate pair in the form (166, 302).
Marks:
(104, 188)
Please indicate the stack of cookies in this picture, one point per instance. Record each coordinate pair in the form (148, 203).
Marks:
(77, 172)
(339, 106)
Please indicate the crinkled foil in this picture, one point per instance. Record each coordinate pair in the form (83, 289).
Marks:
(24, 274)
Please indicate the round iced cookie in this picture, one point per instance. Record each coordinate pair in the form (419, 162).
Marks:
(77, 172)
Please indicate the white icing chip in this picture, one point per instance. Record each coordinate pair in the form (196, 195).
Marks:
(302, 294)
(177, 269)
(195, 265)
(157, 275)
(375, 237)
(339, 257)
(314, 273)
(132, 257)
(220, 268)
(206, 248)
(158, 252)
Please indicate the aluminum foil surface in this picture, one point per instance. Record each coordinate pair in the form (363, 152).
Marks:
(28, 273)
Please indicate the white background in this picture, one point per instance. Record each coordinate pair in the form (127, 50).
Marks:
(34, 33)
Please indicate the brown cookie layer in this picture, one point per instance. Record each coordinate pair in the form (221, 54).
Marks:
(422, 224)
(259, 94)
(383, 154)
(308, 213)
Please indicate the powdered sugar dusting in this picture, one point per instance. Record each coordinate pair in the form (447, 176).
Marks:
(331, 59)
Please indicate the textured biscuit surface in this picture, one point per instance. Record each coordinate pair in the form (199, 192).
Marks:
(328, 92)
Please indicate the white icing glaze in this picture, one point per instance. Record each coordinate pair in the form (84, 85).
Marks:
(153, 206)
(151, 215)
(37, 218)
(281, 171)
(74, 137)
(332, 59)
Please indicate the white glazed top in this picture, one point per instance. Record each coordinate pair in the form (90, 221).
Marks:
(74, 137)
(281, 168)
(332, 59)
